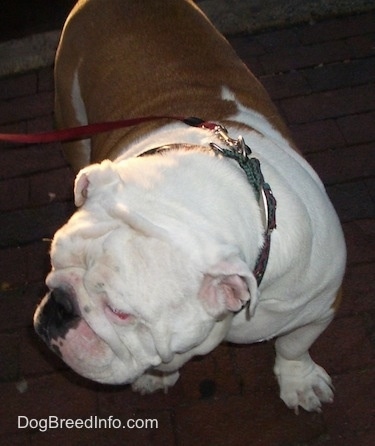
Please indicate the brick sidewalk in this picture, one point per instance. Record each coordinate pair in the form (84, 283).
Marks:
(322, 78)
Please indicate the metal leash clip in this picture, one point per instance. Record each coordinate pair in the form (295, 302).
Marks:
(238, 145)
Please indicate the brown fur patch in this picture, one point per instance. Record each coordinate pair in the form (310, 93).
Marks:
(337, 302)
(156, 57)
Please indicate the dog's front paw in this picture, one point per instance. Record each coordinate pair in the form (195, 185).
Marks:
(303, 383)
(153, 381)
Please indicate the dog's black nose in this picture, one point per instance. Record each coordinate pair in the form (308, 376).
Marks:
(64, 309)
(56, 315)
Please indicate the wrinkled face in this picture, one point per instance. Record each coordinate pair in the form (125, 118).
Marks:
(119, 301)
(138, 276)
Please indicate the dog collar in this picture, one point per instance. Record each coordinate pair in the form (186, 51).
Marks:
(239, 151)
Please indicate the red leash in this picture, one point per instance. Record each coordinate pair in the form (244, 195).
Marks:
(85, 131)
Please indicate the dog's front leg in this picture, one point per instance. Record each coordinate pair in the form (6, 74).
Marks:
(302, 382)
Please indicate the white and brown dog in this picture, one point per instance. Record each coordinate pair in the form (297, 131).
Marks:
(165, 257)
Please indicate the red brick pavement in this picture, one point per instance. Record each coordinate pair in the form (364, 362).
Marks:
(322, 79)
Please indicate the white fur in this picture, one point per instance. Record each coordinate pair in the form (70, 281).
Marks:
(77, 101)
(171, 240)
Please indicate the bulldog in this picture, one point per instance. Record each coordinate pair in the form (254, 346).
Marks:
(178, 243)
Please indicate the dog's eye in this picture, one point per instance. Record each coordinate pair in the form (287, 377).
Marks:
(120, 313)
(118, 316)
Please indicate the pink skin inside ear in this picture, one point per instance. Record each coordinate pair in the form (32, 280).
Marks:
(220, 294)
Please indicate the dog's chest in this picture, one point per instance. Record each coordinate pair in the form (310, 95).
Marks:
(268, 321)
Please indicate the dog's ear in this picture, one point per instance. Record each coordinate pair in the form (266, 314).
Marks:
(227, 286)
(91, 176)
(81, 185)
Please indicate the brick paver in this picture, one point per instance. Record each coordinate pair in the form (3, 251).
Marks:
(321, 76)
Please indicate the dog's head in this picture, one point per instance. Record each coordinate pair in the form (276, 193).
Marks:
(130, 286)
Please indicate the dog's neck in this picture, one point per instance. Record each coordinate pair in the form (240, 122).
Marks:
(239, 151)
